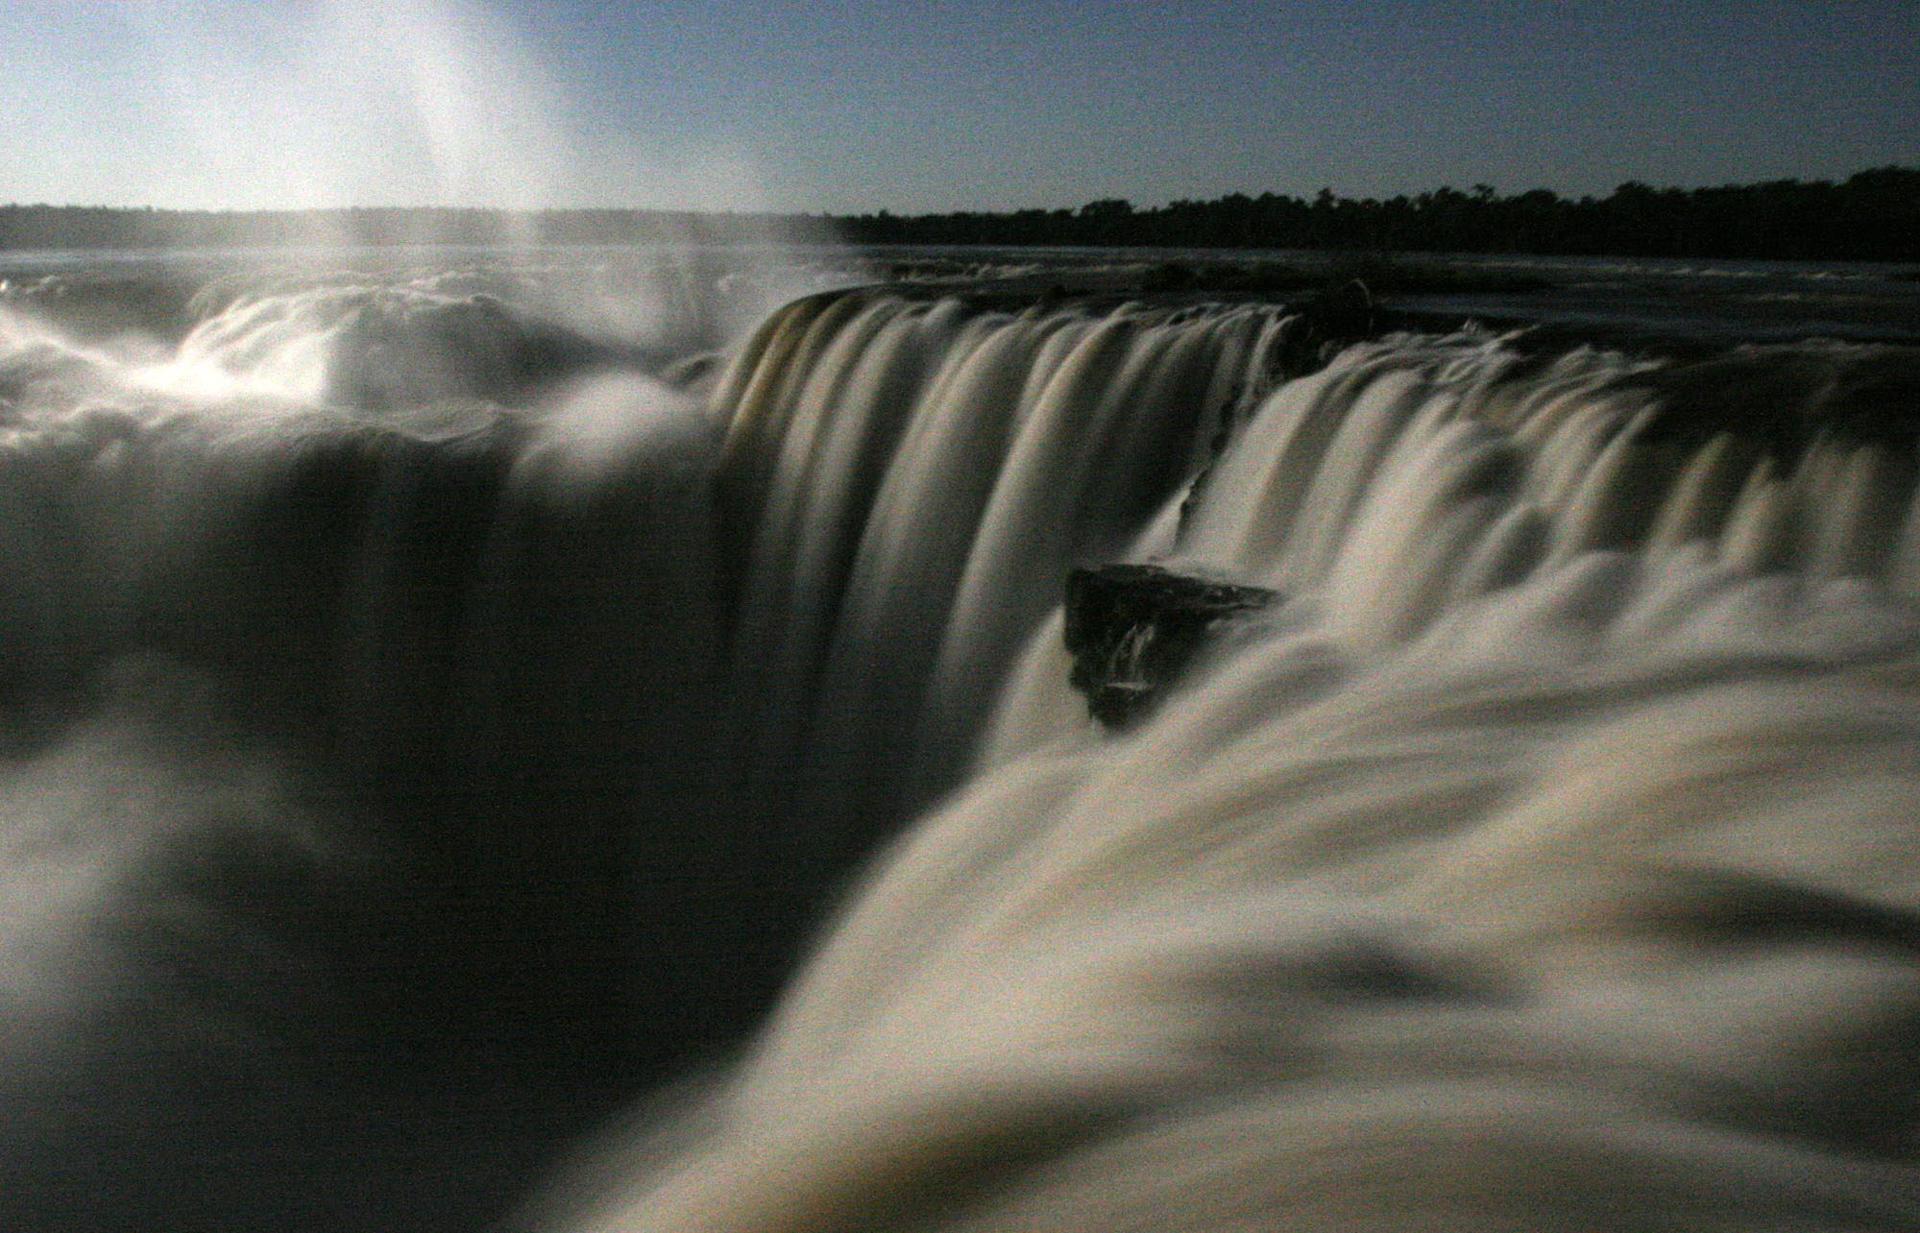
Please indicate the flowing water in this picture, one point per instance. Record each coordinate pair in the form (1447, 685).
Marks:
(439, 709)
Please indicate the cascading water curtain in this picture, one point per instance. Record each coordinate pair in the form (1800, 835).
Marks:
(904, 483)
(1542, 857)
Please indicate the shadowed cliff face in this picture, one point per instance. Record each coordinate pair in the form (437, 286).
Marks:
(357, 706)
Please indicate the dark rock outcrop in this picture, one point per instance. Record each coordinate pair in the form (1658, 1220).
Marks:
(1132, 628)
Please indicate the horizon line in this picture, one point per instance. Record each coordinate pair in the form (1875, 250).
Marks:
(730, 212)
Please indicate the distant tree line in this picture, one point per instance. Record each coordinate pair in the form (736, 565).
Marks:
(1873, 215)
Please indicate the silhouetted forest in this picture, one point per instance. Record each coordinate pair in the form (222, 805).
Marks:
(1873, 215)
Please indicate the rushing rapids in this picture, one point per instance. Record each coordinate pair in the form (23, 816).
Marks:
(433, 720)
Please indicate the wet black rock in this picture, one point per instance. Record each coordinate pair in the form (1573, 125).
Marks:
(1132, 629)
(1325, 325)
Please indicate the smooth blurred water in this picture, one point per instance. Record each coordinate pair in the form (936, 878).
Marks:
(443, 698)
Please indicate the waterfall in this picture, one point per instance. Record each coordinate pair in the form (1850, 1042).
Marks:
(1540, 857)
(906, 485)
(432, 721)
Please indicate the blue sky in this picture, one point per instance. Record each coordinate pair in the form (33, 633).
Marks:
(917, 106)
